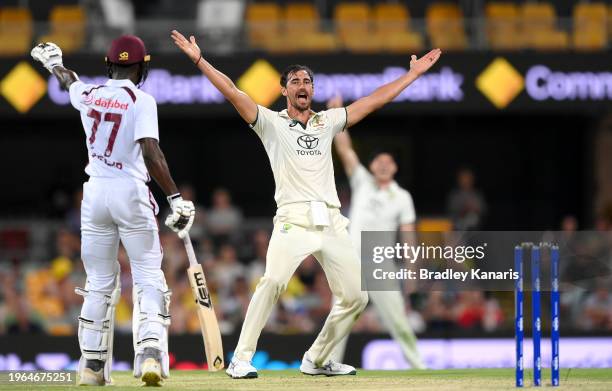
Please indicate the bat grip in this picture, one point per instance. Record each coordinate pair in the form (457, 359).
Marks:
(190, 253)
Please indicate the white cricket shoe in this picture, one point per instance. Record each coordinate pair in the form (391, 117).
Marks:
(151, 373)
(89, 377)
(331, 368)
(241, 369)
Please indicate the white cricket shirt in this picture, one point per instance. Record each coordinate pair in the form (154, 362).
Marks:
(115, 116)
(376, 209)
(301, 158)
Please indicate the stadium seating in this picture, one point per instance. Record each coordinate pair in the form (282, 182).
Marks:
(284, 30)
(445, 26)
(590, 26)
(433, 224)
(358, 26)
(67, 27)
(503, 27)
(263, 20)
(540, 27)
(302, 27)
(392, 27)
(15, 31)
(353, 26)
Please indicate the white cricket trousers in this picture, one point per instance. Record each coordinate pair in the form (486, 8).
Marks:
(293, 239)
(391, 308)
(116, 209)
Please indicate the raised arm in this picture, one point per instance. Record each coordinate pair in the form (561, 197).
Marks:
(50, 56)
(359, 109)
(243, 103)
(343, 143)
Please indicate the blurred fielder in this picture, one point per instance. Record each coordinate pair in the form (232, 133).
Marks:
(378, 203)
(121, 136)
(308, 220)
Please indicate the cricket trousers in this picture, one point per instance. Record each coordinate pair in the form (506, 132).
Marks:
(113, 210)
(293, 239)
(391, 308)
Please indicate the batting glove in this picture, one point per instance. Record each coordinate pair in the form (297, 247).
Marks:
(181, 218)
(49, 54)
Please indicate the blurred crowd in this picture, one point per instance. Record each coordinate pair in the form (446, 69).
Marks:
(38, 297)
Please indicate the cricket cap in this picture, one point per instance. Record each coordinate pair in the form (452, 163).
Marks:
(127, 50)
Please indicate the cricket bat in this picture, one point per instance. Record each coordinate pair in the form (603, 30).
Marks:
(206, 314)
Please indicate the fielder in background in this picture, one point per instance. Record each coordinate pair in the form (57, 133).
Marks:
(378, 203)
(121, 136)
(308, 221)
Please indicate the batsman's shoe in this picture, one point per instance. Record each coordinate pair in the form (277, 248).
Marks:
(331, 368)
(241, 369)
(151, 373)
(92, 373)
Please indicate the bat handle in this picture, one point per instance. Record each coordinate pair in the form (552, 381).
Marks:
(189, 248)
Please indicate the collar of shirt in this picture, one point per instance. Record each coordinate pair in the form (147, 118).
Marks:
(392, 188)
(120, 83)
(285, 114)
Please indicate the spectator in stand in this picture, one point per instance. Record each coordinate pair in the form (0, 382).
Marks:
(50, 290)
(123, 312)
(206, 251)
(73, 215)
(227, 270)
(182, 308)
(257, 267)
(5, 284)
(597, 314)
(175, 262)
(224, 219)
(466, 205)
(583, 262)
(21, 320)
(474, 311)
(234, 306)
(437, 311)
(198, 229)
(63, 280)
(312, 276)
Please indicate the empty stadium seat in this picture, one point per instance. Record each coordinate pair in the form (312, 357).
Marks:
(302, 26)
(503, 26)
(445, 26)
(352, 22)
(392, 27)
(434, 224)
(67, 27)
(540, 27)
(263, 23)
(590, 32)
(15, 31)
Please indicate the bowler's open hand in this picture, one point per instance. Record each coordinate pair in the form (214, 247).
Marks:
(423, 64)
(190, 48)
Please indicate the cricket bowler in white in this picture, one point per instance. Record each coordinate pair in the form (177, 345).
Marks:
(308, 221)
(378, 203)
(121, 136)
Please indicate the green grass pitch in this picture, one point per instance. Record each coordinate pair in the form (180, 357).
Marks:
(292, 380)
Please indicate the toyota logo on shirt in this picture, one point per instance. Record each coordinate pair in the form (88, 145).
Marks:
(308, 142)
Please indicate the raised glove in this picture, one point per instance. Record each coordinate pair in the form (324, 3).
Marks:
(181, 218)
(49, 54)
